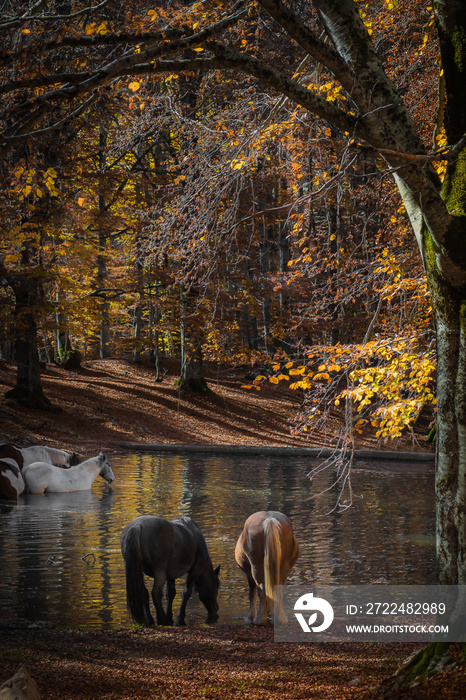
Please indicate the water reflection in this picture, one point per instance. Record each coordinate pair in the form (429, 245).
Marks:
(60, 556)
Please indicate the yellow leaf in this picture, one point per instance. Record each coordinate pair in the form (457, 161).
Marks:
(81, 201)
(237, 164)
(288, 365)
(246, 386)
(321, 368)
(134, 86)
(273, 380)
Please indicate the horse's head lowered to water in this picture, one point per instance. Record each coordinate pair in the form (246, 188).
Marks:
(106, 471)
(206, 586)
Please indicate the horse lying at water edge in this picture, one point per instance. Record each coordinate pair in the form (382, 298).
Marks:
(38, 453)
(40, 476)
(266, 551)
(165, 550)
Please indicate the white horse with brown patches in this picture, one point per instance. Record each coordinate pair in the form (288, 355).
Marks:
(11, 480)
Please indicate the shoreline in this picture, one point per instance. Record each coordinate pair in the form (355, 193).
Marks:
(313, 452)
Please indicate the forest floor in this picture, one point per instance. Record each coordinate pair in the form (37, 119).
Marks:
(112, 402)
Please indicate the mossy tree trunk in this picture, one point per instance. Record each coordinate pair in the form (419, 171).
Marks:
(449, 301)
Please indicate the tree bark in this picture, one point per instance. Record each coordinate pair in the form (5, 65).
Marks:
(28, 389)
(191, 335)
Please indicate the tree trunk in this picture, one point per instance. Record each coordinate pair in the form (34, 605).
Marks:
(192, 372)
(28, 390)
(102, 272)
(191, 335)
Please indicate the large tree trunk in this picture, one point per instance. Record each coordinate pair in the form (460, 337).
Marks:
(28, 389)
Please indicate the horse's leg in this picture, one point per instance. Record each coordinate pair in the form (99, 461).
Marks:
(256, 579)
(149, 618)
(157, 597)
(261, 617)
(187, 590)
(252, 599)
(171, 592)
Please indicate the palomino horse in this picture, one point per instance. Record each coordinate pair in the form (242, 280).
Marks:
(40, 476)
(165, 550)
(266, 551)
(11, 480)
(38, 453)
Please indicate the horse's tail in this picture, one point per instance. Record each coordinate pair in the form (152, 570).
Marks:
(272, 559)
(137, 597)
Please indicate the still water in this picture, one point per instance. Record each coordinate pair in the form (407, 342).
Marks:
(60, 557)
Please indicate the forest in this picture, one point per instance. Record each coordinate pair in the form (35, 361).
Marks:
(203, 216)
(279, 185)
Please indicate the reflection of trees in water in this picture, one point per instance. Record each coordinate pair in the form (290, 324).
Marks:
(378, 538)
(387, 535)
(42, 542)
(106, 538)
(195, 487)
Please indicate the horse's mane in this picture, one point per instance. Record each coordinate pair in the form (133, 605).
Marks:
(201, 547)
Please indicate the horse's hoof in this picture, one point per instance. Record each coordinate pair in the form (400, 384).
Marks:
(260, 622)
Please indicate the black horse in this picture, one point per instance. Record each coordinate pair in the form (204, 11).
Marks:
(165, 550)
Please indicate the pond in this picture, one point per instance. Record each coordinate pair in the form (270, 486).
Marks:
(60, 557)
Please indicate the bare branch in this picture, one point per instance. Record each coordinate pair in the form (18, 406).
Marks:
(32, 15)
